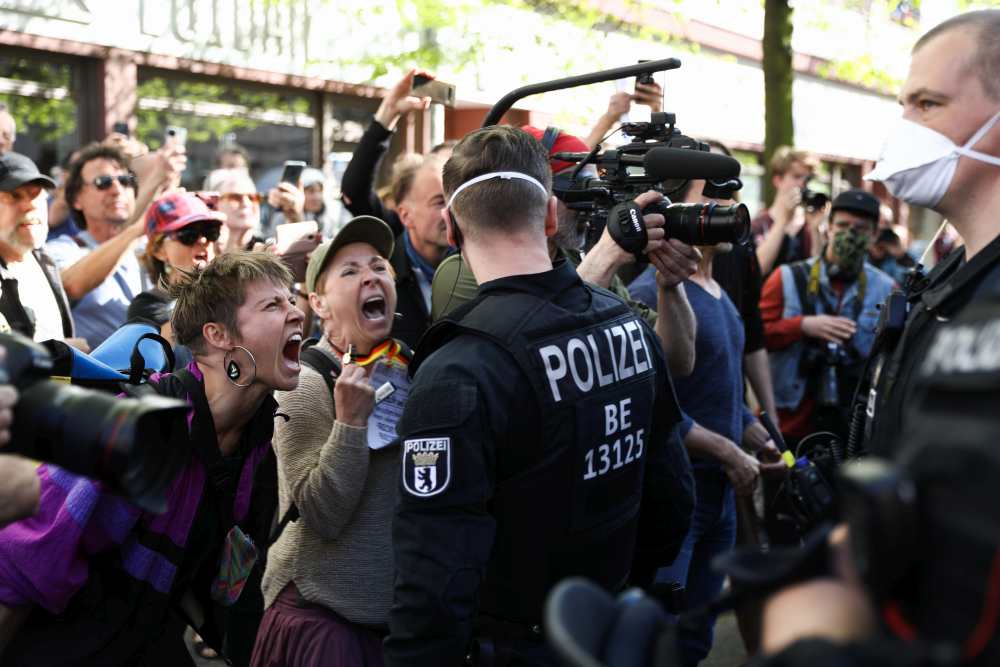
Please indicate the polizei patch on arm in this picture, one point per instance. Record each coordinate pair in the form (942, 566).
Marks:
(426, 466)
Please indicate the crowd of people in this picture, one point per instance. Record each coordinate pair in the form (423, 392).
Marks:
(404, 434)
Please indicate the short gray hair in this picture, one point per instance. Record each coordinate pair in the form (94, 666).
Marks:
(985, 60)
(218, 178)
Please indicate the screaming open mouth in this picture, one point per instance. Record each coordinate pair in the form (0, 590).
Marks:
(291, 349)
(373, 308)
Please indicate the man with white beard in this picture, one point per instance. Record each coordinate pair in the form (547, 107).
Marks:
(32, 299)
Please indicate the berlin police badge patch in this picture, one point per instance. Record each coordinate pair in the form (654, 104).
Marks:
(426, 466)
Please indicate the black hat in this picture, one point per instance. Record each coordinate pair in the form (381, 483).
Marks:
(857, 201)
(17, 170)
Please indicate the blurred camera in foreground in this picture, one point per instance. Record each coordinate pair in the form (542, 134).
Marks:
(129, 444)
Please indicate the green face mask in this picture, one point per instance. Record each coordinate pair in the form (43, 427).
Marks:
(849, 247)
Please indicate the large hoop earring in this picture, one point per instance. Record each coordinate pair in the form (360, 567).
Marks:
(233, 370)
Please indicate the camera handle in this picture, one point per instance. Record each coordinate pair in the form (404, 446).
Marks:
(627, 229)
(508, 100)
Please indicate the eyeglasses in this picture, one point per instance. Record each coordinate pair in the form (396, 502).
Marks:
(191, 234)
(104, 182)
(238, 197)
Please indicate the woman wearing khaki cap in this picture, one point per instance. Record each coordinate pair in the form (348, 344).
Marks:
(328, 584)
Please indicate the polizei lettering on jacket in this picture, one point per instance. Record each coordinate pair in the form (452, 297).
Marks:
(961, 349)
(595, 358)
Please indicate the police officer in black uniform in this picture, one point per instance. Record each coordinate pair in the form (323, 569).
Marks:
(538, 441)
(924, 528)
(951, 96)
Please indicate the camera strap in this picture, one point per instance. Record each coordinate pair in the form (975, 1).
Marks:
(810, 291)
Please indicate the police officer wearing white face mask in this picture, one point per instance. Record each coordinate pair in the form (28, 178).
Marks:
(943, 154)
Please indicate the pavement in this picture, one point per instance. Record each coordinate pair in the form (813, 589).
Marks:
(727, 649)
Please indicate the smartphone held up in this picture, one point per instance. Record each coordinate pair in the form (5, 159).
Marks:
(439, 91)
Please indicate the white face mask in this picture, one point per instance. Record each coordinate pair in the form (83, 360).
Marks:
(917, 164)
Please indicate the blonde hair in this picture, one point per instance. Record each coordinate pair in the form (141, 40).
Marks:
(785, 156)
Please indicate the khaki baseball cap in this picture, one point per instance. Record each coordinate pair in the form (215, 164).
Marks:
(362, 229)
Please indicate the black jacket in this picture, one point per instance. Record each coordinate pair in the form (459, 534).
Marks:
(412, 319)
(357, 184)
(518, 471)
(953, 286)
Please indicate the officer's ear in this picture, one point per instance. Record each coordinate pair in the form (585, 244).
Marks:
(449, 232)
(552, 216)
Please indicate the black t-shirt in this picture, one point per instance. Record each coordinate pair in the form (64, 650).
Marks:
(739, 274)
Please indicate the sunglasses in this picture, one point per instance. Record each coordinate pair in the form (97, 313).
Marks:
(104, 182)
(191, 234)
(238, 197)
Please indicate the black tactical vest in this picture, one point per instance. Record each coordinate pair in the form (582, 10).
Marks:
(594, 380)
(951, 449)
(950, 288)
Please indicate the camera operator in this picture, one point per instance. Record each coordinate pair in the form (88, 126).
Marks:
(819, 322)
(943, 154)
(729, 448)
(543, 462)
(117, 584)
(674, 261)
(738, 272)
(788, 229)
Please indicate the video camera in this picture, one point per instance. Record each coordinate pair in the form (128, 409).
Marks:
(129, 444)
(813, 199)
(659, 157)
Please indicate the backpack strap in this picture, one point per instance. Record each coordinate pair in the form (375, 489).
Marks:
(137, 363)
(800, 274)
(322, 363)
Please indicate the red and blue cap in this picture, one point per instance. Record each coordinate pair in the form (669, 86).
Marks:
(556, 141)
(176, 210)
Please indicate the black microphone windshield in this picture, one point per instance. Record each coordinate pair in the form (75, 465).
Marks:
(677, 163)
